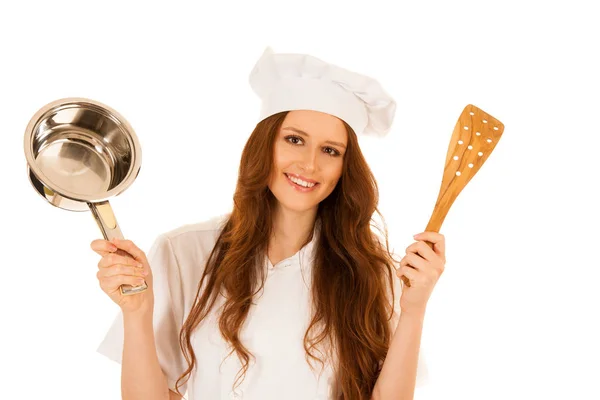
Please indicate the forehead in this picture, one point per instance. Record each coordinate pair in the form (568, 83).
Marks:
(318, 125)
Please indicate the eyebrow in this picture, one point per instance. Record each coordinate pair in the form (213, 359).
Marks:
(301, 132)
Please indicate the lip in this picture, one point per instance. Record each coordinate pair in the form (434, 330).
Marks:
(300, 188)
(301, 177)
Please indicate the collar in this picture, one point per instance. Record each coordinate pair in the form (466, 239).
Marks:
(303, 257)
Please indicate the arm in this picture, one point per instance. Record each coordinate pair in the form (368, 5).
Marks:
(398, 375)
(422, 265)
(141, 375)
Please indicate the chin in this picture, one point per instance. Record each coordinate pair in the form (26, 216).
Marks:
(295, 202)
(297, 207)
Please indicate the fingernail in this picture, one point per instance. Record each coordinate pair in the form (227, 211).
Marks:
(112, 248)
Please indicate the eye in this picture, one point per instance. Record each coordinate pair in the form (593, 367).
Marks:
(293, 139)
(331, 151)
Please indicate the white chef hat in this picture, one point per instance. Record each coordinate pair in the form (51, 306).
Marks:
(287, 82)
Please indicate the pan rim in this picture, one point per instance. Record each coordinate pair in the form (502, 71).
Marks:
(66, 102)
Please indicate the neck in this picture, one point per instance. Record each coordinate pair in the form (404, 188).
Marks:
(291, 229)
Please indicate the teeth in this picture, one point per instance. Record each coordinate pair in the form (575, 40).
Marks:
(301, 182)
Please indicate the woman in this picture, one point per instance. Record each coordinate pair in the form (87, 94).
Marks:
(292, 295)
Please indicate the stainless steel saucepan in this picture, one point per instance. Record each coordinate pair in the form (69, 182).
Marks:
(80, 153)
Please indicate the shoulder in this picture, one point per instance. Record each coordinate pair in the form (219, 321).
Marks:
(200, 231)
(178, 256)
(191, 242)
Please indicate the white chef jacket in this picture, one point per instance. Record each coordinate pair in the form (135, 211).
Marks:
(273, 332)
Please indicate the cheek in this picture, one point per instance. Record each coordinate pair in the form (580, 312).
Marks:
(334, 173)
(283, 156)
(281, 161)
(277, 158)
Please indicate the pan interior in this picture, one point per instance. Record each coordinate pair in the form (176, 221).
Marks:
(82, 151)
(76, 161)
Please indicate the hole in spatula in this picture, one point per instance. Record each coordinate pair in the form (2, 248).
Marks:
(478, 134)
(470, 165)
(456, 157)
(480, 154)
(495, 128)
(460, 142)
(489, 140)
(485, 121)
(457, 173)
(470, 147)
(466, 128)
(472, 113)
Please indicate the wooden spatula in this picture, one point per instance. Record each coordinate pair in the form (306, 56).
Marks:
(475, 136)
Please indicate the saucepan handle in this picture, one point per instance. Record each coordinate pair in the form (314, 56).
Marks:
(105, 218)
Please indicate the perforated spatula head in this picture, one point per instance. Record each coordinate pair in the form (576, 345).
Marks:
(475, 136)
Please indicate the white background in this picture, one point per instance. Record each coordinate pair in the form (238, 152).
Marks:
(514, 315)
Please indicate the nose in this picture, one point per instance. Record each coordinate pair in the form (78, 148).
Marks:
(308, 162)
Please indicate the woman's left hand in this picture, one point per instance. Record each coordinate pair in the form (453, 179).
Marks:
(423, 266)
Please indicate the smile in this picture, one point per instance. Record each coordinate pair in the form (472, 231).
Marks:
(301, 185)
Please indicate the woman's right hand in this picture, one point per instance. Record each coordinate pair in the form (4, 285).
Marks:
(123, 263)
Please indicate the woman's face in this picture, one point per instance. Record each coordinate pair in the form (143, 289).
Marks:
(308, 159)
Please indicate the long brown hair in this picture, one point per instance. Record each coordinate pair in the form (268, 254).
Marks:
(352, 273)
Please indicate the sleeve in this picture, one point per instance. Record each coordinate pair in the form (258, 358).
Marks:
(167, 318)
(422, 372)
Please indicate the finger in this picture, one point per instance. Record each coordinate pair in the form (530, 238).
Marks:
(131, 248)
(120, 270)
(112, 283)
(408, 272)
(437, 239)
(113, 259)
(103, 247)
(415, 261)
(423, 250)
